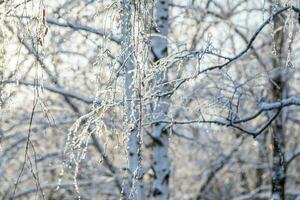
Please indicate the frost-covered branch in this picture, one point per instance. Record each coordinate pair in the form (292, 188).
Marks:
(55, 185)
(265, 106)
(78, 27)
(81, 27)
(56, 90)
(242, 52)
(233, 123)
(251, 41)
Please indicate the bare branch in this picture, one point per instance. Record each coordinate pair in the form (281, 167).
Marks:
(60, 91)
(81, 27)
(208, 175)
(290, 156)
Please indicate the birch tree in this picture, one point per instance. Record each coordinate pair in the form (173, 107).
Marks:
(135, 171)
(150, 99)
(160, 158)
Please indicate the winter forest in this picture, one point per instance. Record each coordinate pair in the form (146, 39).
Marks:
(150, 99)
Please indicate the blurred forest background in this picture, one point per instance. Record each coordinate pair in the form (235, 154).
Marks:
(149, 99)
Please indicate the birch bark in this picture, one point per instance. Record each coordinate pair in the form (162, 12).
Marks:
(160, 159)
(135, 172)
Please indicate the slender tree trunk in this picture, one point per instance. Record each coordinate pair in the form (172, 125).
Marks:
(277, 129)
(263, 158)
(2, 65)
(160, 159)
(135, 172)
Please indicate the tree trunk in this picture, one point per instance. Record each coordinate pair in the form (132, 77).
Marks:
(262, 158)
(160, 160)
(277, 129)
(2, 65)
(135, 171)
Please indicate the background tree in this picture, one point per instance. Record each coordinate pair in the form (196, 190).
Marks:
(149, 99)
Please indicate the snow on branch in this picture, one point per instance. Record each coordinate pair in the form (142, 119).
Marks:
(79, 27)
(280, 104)
(76, 26)
(234, 124)
(56, 90)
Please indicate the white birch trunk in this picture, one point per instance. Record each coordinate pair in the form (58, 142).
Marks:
(135, 172)
(160, 159)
